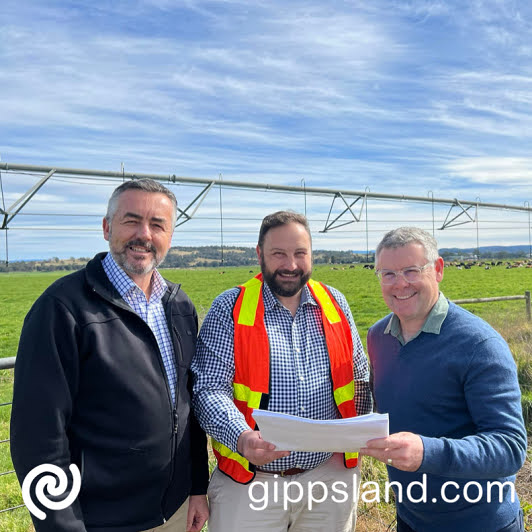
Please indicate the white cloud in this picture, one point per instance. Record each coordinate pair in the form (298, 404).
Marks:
(494, 170)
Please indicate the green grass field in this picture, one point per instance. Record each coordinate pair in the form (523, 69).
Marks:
(18, 291)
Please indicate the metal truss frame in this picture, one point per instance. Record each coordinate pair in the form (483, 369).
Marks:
(199, 198)
(463, 212)
(331, 226)
(12, 211)
(349, 197)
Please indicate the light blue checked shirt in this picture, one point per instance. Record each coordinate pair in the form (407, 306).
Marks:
(300, 379)
(152, 311)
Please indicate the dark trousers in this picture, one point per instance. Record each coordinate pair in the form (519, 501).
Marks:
(517, 525)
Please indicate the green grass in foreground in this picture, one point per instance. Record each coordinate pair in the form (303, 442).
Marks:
(18, 292)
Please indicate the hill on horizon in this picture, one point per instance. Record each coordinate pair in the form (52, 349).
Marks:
(211, 256)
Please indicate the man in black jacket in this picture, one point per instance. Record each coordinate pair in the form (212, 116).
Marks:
(102, 382)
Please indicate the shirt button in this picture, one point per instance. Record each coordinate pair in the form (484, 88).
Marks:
(297, 350)
(302, 408)
(301, 378)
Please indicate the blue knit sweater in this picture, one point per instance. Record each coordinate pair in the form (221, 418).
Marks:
(459, 391)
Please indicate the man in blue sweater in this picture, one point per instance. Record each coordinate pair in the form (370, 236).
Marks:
(449, 383)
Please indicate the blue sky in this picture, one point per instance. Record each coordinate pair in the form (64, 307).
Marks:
(403, 97)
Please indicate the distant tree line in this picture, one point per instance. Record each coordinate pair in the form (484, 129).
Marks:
(48, 265)
(482, 255)
(186, 257)
(211, 256)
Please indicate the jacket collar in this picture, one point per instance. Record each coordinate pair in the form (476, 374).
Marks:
(99, 282)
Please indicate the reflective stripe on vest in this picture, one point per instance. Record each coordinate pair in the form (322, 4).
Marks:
(338, 337)
(339, 343)
(251, 380)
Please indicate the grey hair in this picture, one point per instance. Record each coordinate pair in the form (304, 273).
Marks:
(279, 218)
(145, 185)
(402, 236)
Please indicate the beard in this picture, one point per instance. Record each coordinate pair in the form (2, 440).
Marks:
(284, 288)
(132, 267)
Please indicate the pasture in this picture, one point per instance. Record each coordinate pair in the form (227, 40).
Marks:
(18, 291)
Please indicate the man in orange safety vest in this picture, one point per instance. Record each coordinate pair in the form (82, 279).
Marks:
(283, 342)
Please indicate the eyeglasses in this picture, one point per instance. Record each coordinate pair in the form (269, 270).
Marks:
(412, 274)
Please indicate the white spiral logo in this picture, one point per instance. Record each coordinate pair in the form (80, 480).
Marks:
(54, 488)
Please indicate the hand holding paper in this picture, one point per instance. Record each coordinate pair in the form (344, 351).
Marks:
(403, 450)
(257, 450)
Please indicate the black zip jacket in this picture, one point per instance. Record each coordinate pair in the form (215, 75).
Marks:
(91, 389)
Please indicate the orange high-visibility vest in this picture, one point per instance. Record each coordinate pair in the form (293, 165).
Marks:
(252, 366)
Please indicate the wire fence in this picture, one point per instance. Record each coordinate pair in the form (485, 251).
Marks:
(7, 363)
(526, 297)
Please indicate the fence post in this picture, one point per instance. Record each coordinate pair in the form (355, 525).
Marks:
(527, 301)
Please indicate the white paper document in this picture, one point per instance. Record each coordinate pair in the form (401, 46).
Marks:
(293, 433)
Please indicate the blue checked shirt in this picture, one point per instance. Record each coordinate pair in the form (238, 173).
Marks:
(152, 311)
(300, 381)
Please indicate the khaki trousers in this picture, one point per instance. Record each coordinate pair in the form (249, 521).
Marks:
(320, 499)
(176, 523)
